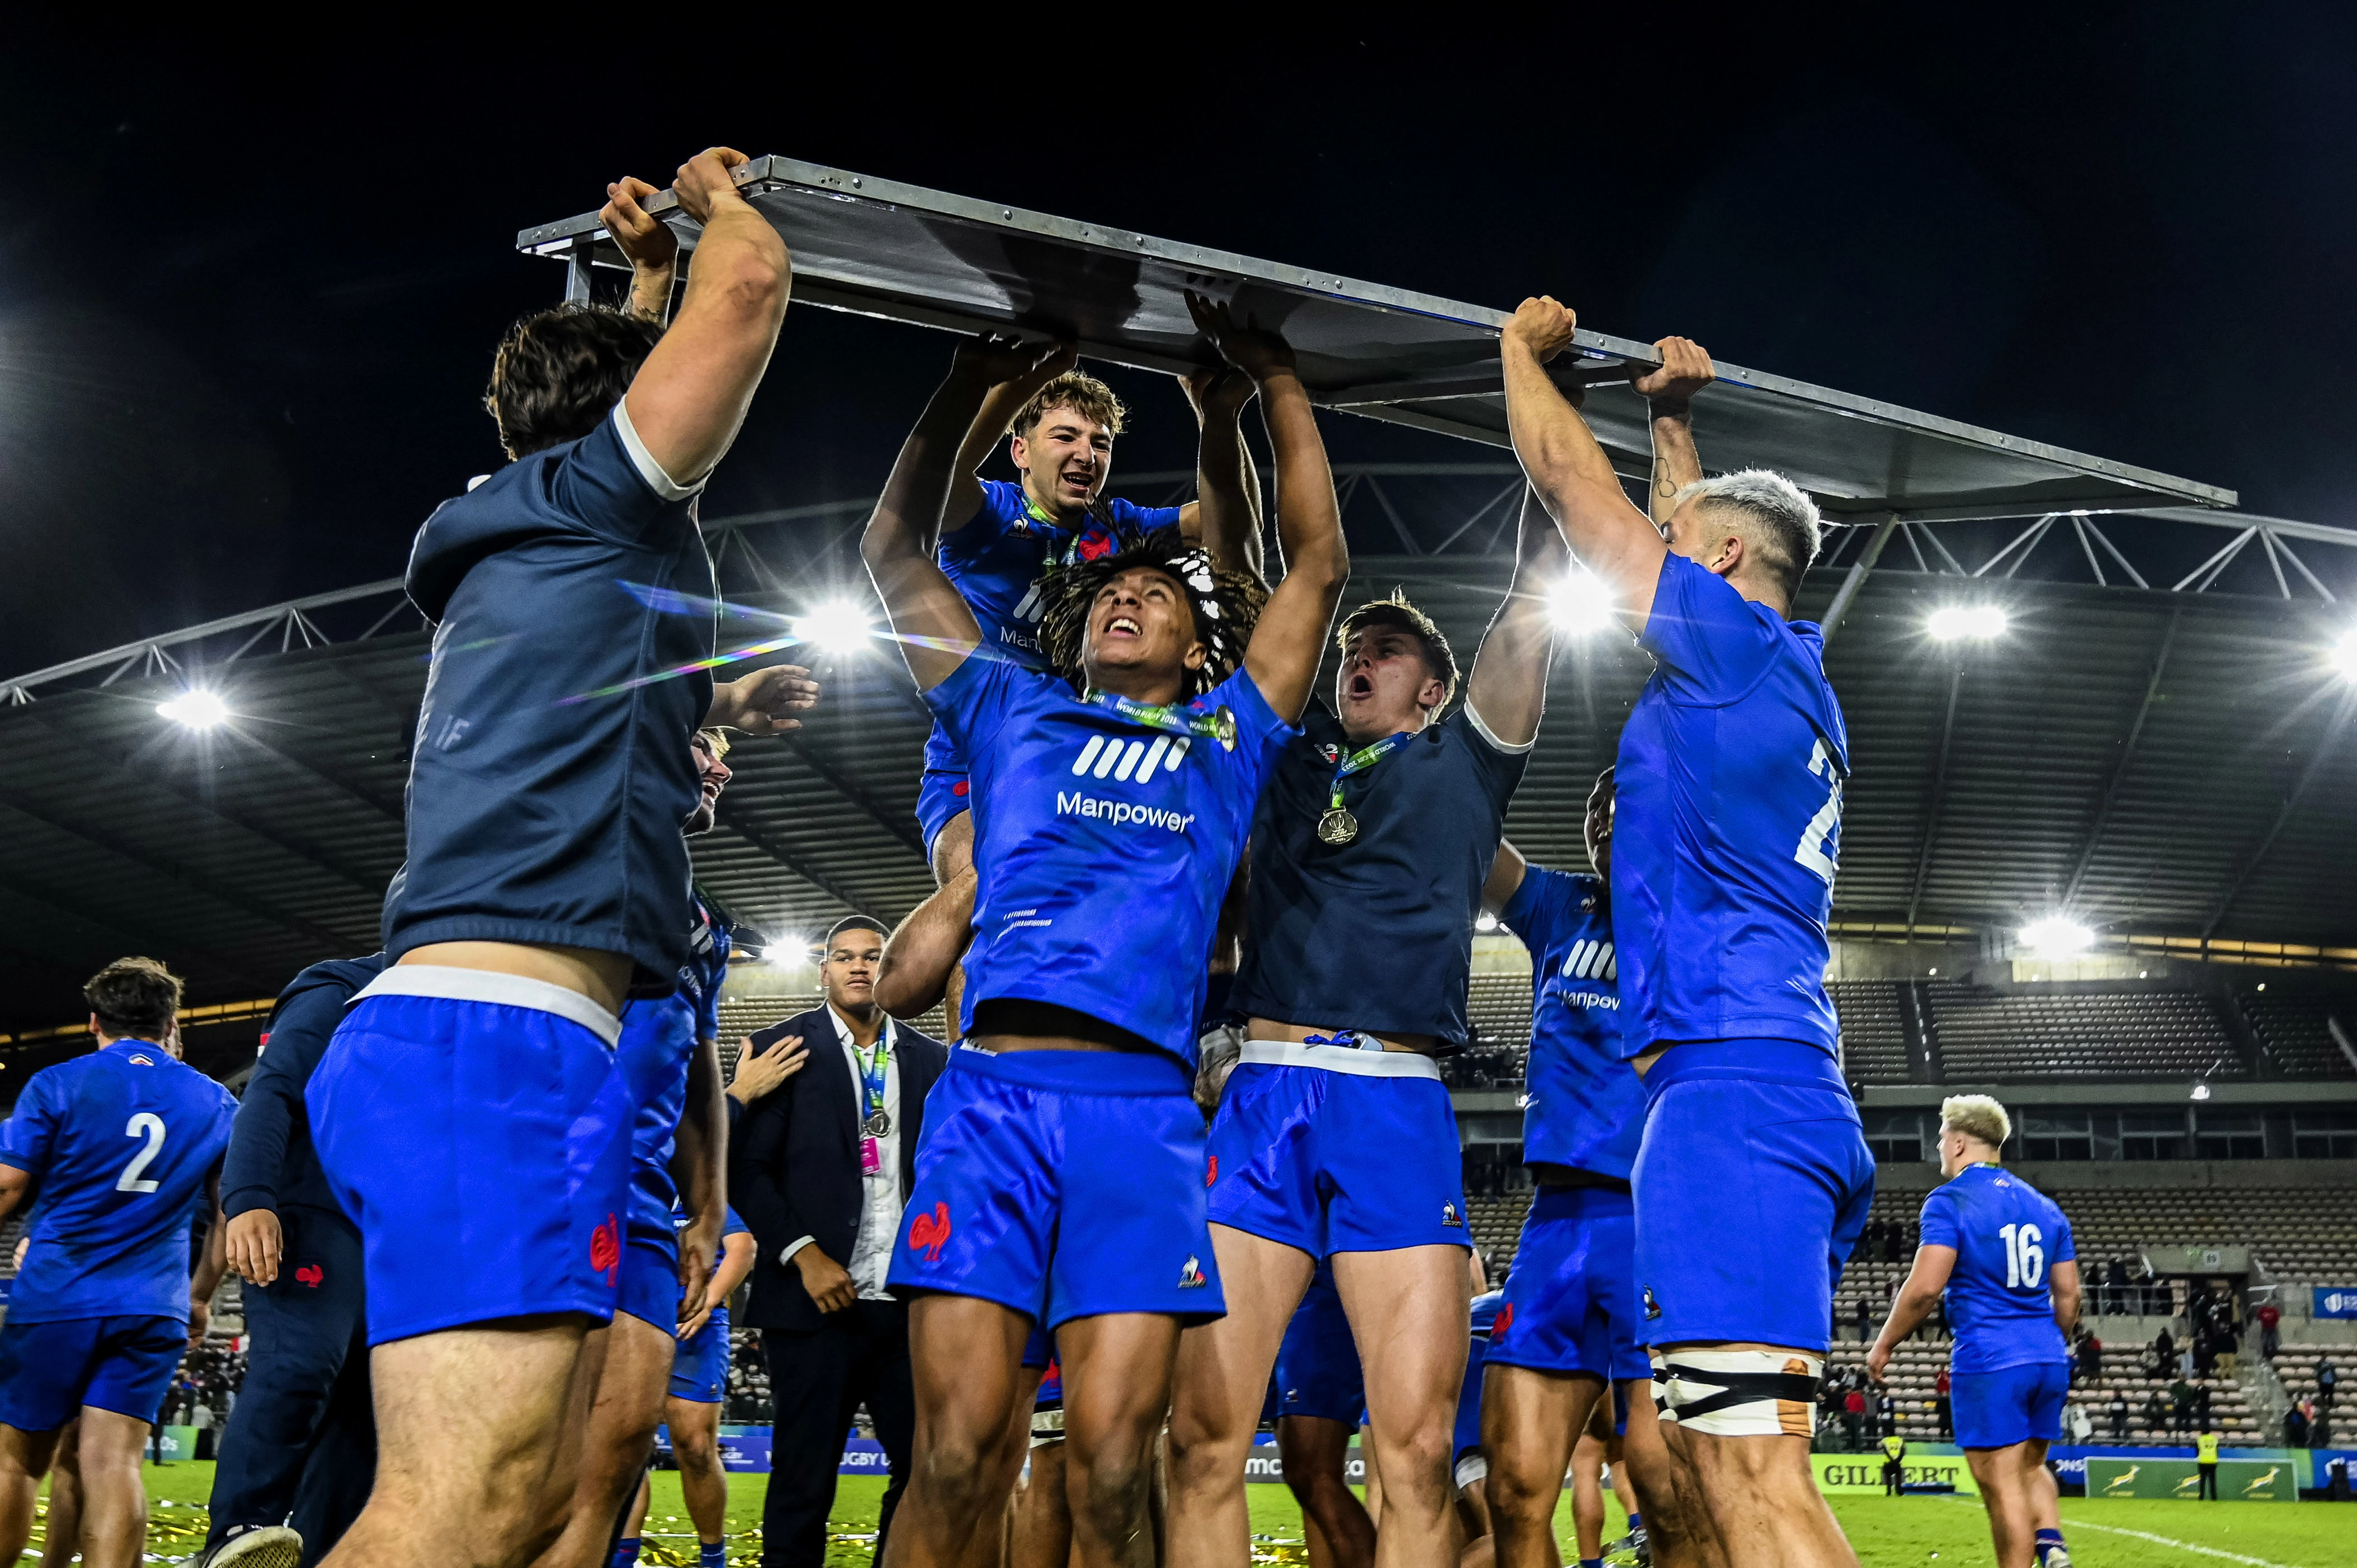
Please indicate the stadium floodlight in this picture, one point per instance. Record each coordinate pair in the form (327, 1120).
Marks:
(835, 627)
(2344, 653)
(1976, 623)
(195, 707)
(1485, 921)
(2055, 937)
(1580, 603)
(2201, 1090)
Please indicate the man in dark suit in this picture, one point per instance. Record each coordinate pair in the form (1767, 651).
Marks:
(820, 1170)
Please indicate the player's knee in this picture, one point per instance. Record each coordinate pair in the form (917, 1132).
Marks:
(1521, 1490)
(1110, 1491)
(1422, 1460)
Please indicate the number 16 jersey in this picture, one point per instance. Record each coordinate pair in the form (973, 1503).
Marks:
(1728, 824)
(2007, 1236)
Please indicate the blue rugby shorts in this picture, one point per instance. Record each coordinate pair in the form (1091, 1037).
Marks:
(1331, 1150)
(1571, 1301)
(699, 1367)
(942, 794)
(1318, 1372)
(2013, 1404)
(1752, 1186)
(648, 1290)
(1063, 1184)
(474, 1128)
(48, 1371)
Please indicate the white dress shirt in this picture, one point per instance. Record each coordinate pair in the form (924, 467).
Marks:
(879, 1207)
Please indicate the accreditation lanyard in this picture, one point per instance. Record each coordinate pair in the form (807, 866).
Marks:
(879, 1120)
(1220, 725)
(1338, 826)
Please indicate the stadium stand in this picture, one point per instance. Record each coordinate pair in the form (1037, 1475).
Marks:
(2294, 1032)
(1984, 1034)
(1873, 1030)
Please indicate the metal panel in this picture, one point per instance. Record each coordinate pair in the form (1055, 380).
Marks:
(903, 252)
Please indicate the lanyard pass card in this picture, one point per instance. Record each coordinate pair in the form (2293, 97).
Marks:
(871, 1156)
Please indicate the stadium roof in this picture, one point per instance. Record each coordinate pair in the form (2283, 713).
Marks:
(2160, 763)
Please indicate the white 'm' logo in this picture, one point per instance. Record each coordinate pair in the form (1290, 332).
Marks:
(1591, 961)
(1125, 760)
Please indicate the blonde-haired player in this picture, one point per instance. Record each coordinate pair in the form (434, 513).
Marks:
(2002, 1251)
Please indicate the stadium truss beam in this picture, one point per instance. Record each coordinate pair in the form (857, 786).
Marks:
(896, 824)
(2113, 786)
(761, 840)
(2333, 731)
(1939, 799)
(924, 257)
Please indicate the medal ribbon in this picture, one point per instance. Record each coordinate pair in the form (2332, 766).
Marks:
(871, 1071)
(1359, 761)
(1060, 556)
(1169, 718)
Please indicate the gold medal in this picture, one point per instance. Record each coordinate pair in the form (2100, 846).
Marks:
(1223, 726)
(1338, 826)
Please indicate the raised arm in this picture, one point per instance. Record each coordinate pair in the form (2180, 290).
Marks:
(1574, 478)
(1224, 517)
(647, 242)
(1287, 644)
(1669, 390)
(987, 429)
(690, 396)
(935, 627)
(1508, 690)
(1507, 869)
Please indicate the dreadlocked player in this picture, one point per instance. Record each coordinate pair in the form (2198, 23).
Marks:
(1062, 1174)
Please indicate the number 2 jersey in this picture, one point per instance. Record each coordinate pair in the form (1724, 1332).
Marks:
(1104, 846)
(2007, 1236)
(120, 1143)
(1728, 822)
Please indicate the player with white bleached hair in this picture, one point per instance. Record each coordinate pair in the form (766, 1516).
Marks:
(2002, 1251)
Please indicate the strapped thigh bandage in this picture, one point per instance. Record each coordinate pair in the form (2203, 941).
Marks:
(1739, 1394)
(1474, 1467)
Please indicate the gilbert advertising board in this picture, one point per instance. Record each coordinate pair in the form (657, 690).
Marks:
(1926, 1465)
(2239, 1480)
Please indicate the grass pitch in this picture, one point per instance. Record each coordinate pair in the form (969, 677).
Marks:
(1889, 1532)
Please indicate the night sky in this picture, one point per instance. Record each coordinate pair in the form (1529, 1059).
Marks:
(249, 287)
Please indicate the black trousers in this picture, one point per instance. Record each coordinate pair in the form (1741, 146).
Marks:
(302, 1441)
(2208, 1488)
(818, 1380)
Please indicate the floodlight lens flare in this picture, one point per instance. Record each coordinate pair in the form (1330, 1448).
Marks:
(1485, 921)
(196, 708)
(834, 627)
(2344, 654)
(1580, 603)
(2055, 937)
(1978, 623)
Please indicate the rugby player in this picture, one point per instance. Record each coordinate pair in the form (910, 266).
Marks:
(670, 1059)
(1752, 1180)
(2002, 1253)
(1571, 1334)
(1335, 1142)
(121, 1144)
(1001, 543)
(699, 1387)
(1320, 1398)
(1061, 1182)
(468, 1113)
(1471, 1463)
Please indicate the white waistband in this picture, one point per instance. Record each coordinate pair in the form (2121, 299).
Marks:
(1342, 1058)
(489, 985)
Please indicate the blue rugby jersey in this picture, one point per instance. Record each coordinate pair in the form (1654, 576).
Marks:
(658, 1038)
(999, 562)
(1587, 1106)
(1728, 824)
(121, 1143)
(1104, 846)
(1376, 934)
(546, 791)
(2007, 1236)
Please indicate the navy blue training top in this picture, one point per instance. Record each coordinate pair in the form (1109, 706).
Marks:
(1585, 1109)
(122, 1142)
(271, 1162)
(1376, 934)
(1728, 824)
(552, 773)
(1104, 847)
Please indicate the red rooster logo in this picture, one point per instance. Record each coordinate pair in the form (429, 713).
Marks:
(606, 1251)
(311, 1274)
(1211, 1175)
(1505, 1321)
(929, 1233)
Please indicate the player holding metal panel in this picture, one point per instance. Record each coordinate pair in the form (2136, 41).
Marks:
(121, 1143)
(468, 1113)
(1062, 1176)
(1010, 542)
(1729, 778)
(1335, 1141)
(2002, 1253)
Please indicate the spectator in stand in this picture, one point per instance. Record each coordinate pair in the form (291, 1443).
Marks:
(1865, 1323)
(1886, 1414)
(2229, 1348)
(1946, 1410)
(2319, 1427)
(2180, 1403)
(1894, 1235)
(1854, 1417)
(2091, 1357)
(2270, 1339)
(2155, 1413)
(2201, 1409)
(2118, 1409)
(2205, 1355)
(1870, 1244)
(2327, 1378)
(2295, 1428)
(2164, 1350)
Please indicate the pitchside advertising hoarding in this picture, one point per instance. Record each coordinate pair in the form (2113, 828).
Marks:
(2335, 1300)
(2239, 1480)
(1928, 1465)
